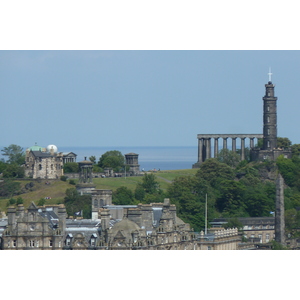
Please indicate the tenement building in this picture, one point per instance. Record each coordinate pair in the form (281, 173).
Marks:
(269, 149)
(142, 227)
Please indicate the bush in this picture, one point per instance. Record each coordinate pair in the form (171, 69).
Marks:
(63, 178)
(41, 202)
(72, 181)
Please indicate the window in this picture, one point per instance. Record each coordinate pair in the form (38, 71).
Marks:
(268, 131)
(31, 243)
(260, 238)
(268, 119)
(40, 167)
(267, 238)
(14, 243)
(50, 243)
(92, 241)
(268, 143)
(268, 108)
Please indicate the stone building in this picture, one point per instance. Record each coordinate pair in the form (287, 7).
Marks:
(45, 163)
(34, 228)
(69, 157)
(133, 163)
(144, 227)
(259, 230)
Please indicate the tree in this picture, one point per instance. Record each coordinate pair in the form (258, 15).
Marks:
(112, 159)
(123, 196)
(214, 172)
(41, 202)
(231, 199)
(283, 142)
(288, 170)
(9, 188)
(71, 167)
(3, 166)
(228, 157)
(75, 202)
(149, 183)
(189, 195)
(295, 150)
(13, 171)
(93, 159)
(15, 154)
(233, 223)
(139, 193)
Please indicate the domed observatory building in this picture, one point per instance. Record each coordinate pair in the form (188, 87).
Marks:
(44, 163)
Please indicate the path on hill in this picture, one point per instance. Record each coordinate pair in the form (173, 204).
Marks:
(169, 181)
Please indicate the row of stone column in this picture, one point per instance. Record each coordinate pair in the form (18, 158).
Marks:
(68, 159)
(204, 147)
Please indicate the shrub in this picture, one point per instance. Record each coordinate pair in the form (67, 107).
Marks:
(63, 178)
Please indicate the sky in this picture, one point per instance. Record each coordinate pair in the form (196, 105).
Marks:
(140, 97)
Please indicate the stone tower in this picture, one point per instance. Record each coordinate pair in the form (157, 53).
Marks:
(85, 185)
(269, 150)
(133, 162)
(279, 213)
(270, 118)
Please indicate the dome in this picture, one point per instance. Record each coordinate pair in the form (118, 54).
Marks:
(49, 147)
(126, 225)
(35, 148)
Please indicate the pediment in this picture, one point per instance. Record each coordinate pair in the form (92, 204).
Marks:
(32, 206)
(119, 235)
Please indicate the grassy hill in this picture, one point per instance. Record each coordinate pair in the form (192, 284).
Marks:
(57, 188)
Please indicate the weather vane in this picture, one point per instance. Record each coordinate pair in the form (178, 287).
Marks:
(270, 74)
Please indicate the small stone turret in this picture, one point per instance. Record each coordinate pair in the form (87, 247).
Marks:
(105, 217)
(11, 216)
(62, 215)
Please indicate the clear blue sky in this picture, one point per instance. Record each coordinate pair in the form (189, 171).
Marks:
(142, 98)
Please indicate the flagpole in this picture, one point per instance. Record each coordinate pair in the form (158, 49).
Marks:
(205, 213)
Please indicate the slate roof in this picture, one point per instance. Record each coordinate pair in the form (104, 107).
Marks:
(157, 213)
(248, 221)
(41, 154)
(89, 223)
(51, 216)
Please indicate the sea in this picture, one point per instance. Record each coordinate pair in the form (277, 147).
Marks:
(150, 158)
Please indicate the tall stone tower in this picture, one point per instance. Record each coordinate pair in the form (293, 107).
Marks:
(279, 213)
(269, 150)
(270, 118)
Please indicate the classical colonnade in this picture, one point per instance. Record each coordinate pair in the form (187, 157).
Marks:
(205, 145)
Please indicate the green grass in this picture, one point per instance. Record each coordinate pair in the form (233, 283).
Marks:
(56, 190)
